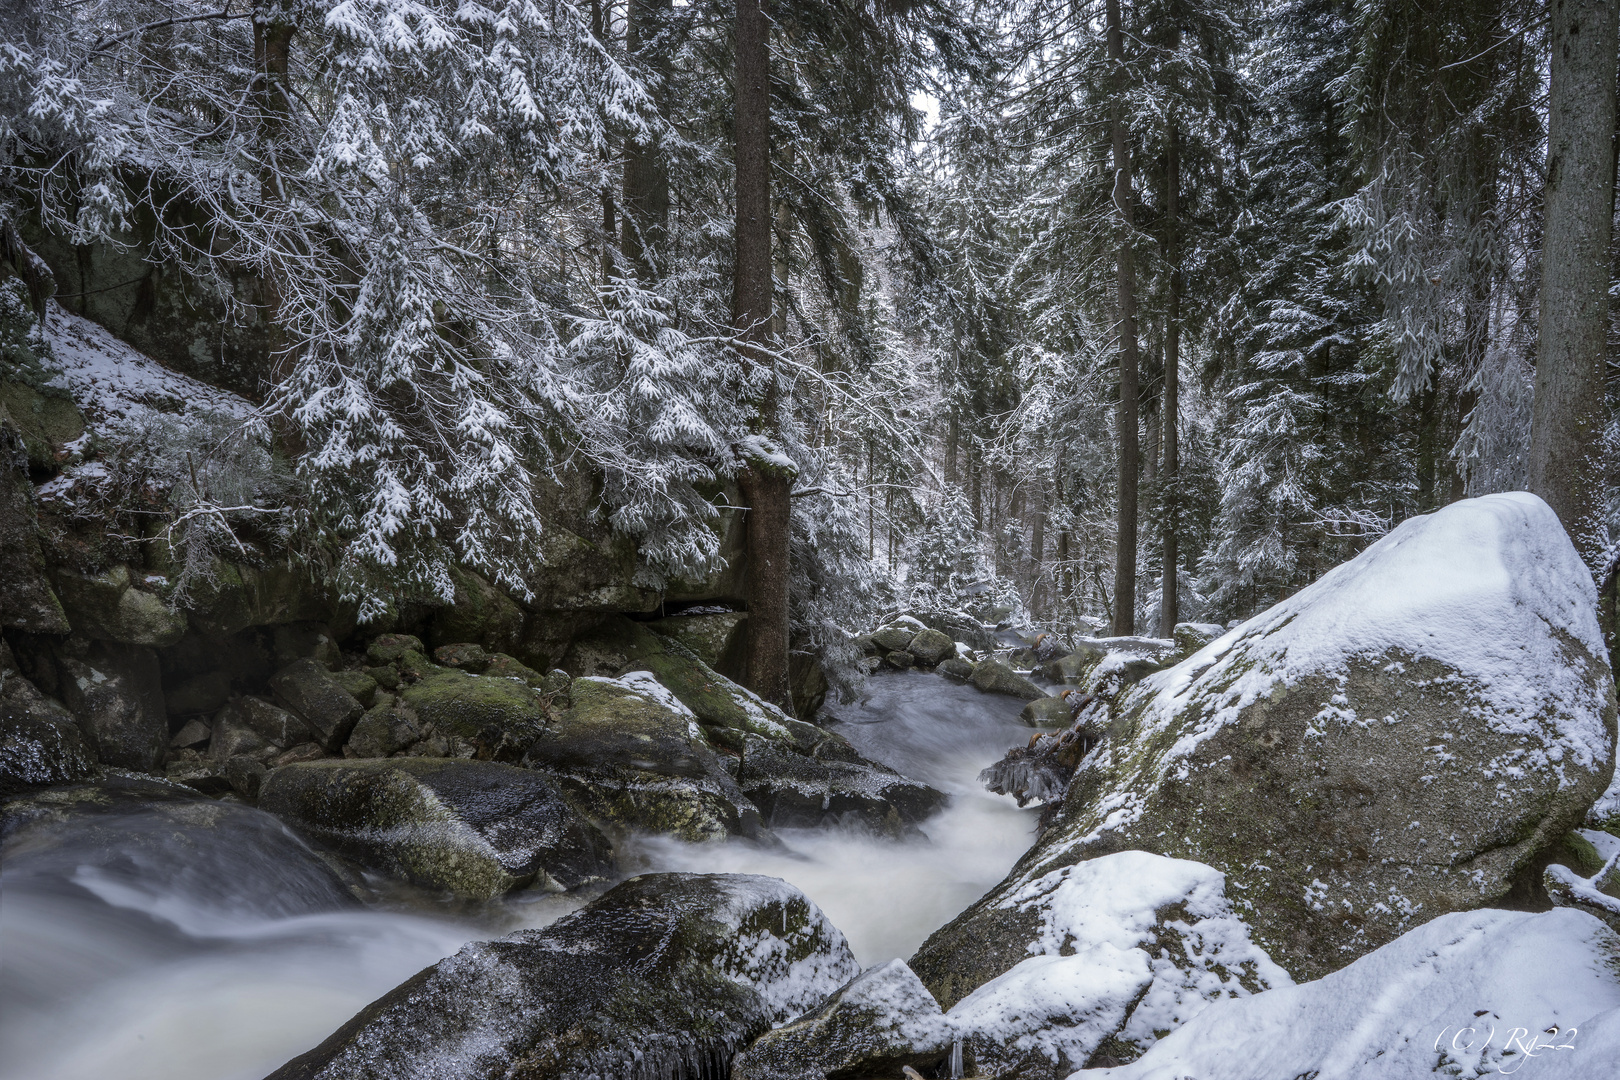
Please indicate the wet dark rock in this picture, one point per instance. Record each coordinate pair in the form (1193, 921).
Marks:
(793, 791)
(360, 685)
(1045, 710)
(385, 729)
(274, 725)
(305, 640)
(309, 690)
(233, 736)
(477, 829)
(900, 661)
(192, 733)
(876, 1025)
(199, 695)
(115, 692)
(665, 976)
(245, 773)
(40, 743)
(108, 607)
(1043, 770)
(956, 668)
(465, 655)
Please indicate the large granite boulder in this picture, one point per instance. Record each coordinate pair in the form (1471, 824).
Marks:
(882, 1021)
(666, 975)
(632, 757)
(1406, 737)
(1118, 951)
(476, 829)
(717, 638)
(1471, 994)
(27, 601)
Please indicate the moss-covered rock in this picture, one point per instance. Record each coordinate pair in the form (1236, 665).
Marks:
(480, 613)
(994, 677)
(893, 638)
(633, 758)
(107, 607)
(475, 829)
(1073, 667)
(27, 601)
(240, 595)
(664, 975)
(1366, 755)
(931, 646)
(500, 718)
(1044, 711)
(385, 729)
(716, 638)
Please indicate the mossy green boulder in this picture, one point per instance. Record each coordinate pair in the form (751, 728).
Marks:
(500, 718)
(475, 829)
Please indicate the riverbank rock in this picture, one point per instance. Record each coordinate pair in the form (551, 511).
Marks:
(666, 975)
(498, 718)
(476, 829)
(717, 638)
(308, 689)
(1465, 995)
(40, 743)
(630, 755)
(115, 692)
(795, 791)
(994, 677)
(877, 1024)
(1408, 736)
(1118, 950)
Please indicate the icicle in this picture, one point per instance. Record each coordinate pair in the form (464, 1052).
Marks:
(956, 1060)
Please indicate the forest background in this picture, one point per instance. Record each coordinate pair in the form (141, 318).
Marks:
(1161, 309)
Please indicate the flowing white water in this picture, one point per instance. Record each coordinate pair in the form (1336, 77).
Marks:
(144, 946)
(885, 896)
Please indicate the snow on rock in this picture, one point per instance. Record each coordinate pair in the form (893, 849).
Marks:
(880, 1022)
(1470, 994)
(1403, 739)
(115, 385)
(663, 975)
(1126, 946)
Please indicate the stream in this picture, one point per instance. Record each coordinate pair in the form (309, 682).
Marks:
(146, 946)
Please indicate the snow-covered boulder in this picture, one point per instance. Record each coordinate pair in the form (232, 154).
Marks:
(1122, 949)
(1470, 994)
(882, 1021)
(1404, 738)
(664, 975)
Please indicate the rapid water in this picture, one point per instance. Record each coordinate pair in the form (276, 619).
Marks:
(885, 896)
(202, 941)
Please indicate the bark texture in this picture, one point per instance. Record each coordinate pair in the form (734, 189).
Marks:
(1566, 428)
(1126, 416)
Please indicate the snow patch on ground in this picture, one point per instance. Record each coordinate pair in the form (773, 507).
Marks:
(1469, 994)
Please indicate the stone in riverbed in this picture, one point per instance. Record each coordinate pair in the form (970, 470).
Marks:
(632, 757)
(473, 828)
(882, 1021)
(1045, 710)
(666, 975)
(900, 661)
(115, 692)
(931, 646)
(793, 791)
(40, 743)
(893, 638)
(994, 677)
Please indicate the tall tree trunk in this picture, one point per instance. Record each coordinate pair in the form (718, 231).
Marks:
(765, 485)
(644, 225)
(953, 439)
(1566, 426)
(1169, 601)
(1126, 418)
(273, 29)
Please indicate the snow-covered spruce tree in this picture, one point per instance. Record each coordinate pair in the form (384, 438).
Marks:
(409, 182)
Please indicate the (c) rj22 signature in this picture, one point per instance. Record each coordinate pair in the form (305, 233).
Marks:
(1516, 1041)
